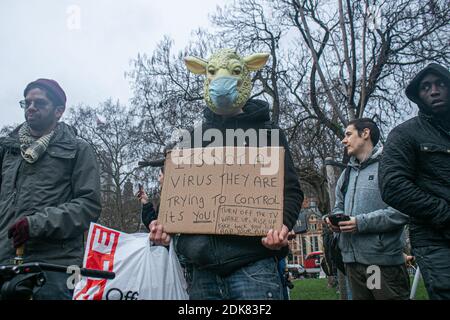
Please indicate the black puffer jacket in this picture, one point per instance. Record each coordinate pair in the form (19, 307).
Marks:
(415, 169)
(225, 254)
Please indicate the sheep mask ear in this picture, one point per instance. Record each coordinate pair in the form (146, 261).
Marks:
(256, 61)
(225, 60)
(196, 65)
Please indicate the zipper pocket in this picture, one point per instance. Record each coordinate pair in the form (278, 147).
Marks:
(432, 148)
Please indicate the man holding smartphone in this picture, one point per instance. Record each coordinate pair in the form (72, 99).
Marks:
(371, 232)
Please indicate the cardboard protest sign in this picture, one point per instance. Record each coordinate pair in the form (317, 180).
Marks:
(223, 190)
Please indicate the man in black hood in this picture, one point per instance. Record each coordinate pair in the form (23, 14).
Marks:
(415, 176)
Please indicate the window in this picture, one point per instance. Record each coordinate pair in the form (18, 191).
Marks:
(305, 252)
(294, 245)
(314, 243)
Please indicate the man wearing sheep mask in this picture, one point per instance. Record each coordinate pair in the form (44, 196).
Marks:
(237, 267)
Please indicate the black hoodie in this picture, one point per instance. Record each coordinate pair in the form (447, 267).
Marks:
(225, 254)
(415, 168)
(412, 92)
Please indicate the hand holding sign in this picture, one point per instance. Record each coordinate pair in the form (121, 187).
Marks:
(275, 240)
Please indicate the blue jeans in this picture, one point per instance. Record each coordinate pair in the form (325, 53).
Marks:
(281, 271)
(349, 290)
(259, 280)
(434, 263)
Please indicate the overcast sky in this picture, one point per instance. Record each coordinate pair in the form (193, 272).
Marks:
(86, 45)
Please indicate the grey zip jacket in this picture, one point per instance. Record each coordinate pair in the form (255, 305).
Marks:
(379, 239)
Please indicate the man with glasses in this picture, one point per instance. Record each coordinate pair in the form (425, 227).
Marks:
(49, 188)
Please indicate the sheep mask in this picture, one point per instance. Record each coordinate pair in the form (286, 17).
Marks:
(228, 84)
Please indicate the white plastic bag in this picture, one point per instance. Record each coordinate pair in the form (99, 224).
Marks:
(143, 271)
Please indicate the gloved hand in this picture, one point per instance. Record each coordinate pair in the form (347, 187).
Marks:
(20, 232)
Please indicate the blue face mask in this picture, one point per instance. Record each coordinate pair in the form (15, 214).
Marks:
(223, 93)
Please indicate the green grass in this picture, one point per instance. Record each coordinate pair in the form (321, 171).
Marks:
(316, 289)
(421, 293)
(312, 289)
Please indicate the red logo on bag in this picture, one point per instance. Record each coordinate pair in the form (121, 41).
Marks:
(101, 251)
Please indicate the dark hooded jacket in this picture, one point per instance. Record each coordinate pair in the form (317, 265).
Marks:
(225, 254)
(59, 194)
(414, 173)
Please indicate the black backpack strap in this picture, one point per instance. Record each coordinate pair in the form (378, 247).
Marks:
(344, 186)
(337, 254)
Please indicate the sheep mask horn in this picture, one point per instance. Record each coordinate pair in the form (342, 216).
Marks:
(228, 84)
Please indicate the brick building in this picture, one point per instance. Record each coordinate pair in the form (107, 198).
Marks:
(311, 240)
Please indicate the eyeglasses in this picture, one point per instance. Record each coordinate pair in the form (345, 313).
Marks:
(38, 103)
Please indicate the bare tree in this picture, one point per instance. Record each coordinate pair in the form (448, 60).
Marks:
(363, 54)
(257, 31)
(115, 136)
(5, 130)
(166, 96)
(331, 62)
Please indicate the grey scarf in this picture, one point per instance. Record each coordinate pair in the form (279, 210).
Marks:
(30, 147)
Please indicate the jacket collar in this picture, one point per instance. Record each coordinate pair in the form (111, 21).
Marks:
(375, 156)
(434, 122)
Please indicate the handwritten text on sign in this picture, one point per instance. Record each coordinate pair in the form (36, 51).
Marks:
(226, 195)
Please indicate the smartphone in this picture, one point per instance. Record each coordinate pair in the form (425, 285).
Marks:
(141, 190)
(336, 218)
